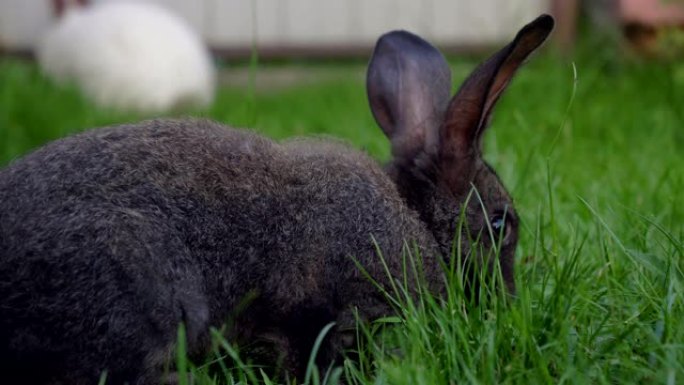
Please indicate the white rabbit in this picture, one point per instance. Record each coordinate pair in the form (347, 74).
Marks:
(129, 56)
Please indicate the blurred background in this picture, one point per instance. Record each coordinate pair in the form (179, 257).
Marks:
(324, 28)
(295, 27)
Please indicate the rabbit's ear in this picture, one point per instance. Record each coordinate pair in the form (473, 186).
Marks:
(469, 110)
(408, 85)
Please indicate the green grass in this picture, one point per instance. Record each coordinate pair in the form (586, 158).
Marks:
(598, 183)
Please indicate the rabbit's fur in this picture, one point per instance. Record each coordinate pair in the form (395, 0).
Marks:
(111, 238)
(129, 55)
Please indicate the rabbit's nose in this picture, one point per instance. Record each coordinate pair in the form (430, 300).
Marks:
(347, 339)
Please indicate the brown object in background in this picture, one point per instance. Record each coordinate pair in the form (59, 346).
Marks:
(565, 12)
(652, 12)
(59, 6)
(640, 22)
(643, 19)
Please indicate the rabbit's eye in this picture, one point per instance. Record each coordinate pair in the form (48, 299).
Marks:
(498, 223)
(500, 226)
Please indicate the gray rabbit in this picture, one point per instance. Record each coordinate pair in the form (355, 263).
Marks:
(111, 238)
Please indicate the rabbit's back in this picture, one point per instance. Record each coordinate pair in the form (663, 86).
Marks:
(123, 232)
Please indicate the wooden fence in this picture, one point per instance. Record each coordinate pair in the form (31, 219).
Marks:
(326, 26)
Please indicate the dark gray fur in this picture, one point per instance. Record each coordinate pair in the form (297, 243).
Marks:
(111, 238)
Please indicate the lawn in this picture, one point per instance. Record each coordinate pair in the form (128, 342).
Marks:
(592, 152)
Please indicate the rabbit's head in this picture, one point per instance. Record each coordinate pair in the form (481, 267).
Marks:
(437, 143)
